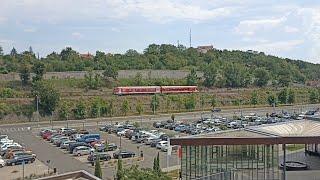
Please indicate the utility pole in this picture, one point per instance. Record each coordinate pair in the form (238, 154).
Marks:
(190, 38)
(37, 99)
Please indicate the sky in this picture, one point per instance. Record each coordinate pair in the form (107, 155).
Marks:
(284, 28)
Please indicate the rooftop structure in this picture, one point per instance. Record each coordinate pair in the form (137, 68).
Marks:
(250, 153)
(204, 49)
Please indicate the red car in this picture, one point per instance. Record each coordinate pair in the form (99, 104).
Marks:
(46, 135)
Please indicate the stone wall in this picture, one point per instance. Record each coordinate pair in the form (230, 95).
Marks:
(153, 74)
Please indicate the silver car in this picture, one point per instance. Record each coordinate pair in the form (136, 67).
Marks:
(65, 144)
(82, 150)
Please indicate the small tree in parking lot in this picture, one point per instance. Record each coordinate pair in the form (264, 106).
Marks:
(97, 168)
(173, 117)
(120, 172)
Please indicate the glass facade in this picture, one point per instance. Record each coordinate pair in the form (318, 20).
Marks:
(230, 162)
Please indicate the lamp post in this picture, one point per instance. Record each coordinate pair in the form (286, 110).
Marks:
(37, 103)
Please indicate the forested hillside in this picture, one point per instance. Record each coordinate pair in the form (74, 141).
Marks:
(222, 68)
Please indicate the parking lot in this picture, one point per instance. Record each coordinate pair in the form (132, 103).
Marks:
(134, 137)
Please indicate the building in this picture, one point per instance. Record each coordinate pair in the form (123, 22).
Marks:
(204, 49)
(75, 175)
(87, 56)
(247, 154)
(252, 51)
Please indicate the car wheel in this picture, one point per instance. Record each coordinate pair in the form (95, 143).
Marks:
(108, 158)
(1, 166)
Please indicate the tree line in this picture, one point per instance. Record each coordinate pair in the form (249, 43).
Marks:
(222, 68)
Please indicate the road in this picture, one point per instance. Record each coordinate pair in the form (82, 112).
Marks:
(159, 117)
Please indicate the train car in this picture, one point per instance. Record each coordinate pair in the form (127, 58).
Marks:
(178, 89)
(127, 90)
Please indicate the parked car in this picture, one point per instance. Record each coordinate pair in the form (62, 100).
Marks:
(83, 131)
(155, 142)
(216, 110)
(161, 143)
(65, 144)
(123, 154)
(20, 159)
(60, 140)
(82, 150)
(102, 156)
(89, 136)
(2, 163)
(74, 145)
(165, 148)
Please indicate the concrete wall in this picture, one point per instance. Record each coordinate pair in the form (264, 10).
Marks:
(172, 74)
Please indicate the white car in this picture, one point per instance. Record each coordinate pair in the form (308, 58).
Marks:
(82, 150)
(6, 146)
(4, 140)
(122, 133)
(2, 163)
(161, 144)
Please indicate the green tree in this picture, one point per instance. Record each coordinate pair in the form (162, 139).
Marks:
(192, 78)
(283, 96)
(210, 75)
(38, 69)
(190, 102)
(13, 52)
(202, 101)
(4, 110)
(24, 73)
(48, 96)
(213, 102)
(285, 79)
(138, 81)
(272, 99)
(120, 171)
(7, 93)
(110, 72)
(92, 81)
(154, 103)
(156, 164)
(64, 110)
(125, 107)
(261, 77)
(254, 98)
(139, 108)
(97, 168)
(80, 110)
(313, 96)
(111, 108)
(291, 96)
(96, 108)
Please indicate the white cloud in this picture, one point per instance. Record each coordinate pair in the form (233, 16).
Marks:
(114, 29)
(3, 20)
(77, 35)
(30, 30)
(275, 47)
(6, 41)
(153, 10)
(250, 27)
(291, 29)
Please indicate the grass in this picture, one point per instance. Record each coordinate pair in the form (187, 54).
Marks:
(295, 147)
(174, 174)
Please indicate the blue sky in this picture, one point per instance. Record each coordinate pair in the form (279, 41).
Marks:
(282, 28)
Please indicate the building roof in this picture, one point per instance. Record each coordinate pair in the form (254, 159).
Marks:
(75, 175)
(293, 132)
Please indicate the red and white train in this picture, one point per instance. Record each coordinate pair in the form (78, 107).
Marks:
(131, 90)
